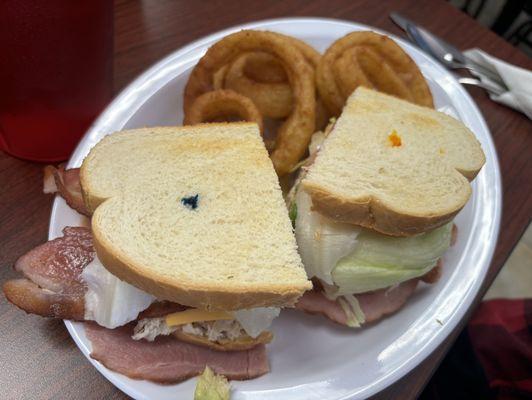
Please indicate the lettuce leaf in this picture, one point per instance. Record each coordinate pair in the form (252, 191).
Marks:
(321, 242)
(378, 261)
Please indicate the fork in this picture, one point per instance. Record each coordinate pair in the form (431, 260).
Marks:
(489, 87)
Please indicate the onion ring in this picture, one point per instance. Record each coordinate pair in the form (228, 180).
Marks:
(264, 68)
(261, 77)
(222, 104)
(372, 60)
(218, 78)
(294, 135)
(273, 99)
(259, 67)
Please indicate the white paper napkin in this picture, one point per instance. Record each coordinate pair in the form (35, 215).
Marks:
(518, 80)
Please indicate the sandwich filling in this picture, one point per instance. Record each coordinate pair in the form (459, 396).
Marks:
(112, 303)
(64, 278)
(350, 260)
(214, 326)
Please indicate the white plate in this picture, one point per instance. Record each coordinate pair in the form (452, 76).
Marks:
(311, 358)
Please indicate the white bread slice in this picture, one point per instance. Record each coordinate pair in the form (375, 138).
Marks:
(361, 177)
(236, 250)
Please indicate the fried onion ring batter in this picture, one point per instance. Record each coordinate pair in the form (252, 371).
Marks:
(222, 104)
(371, 60)
(261, 77)
(294, 135)
(273, 99)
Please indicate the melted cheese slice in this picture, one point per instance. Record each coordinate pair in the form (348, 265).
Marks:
(195, 315)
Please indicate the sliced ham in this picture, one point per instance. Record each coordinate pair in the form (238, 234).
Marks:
(52, 286)
(375, 305)
(434, 274)
(167, 360)
(379, 303)
(315, 302)
(454, 235)
(66, 182)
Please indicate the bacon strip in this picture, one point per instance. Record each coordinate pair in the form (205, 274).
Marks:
(49, 185)
(57, 264)
(52, 286)
(67, 184)
(167, 360)
(35, 300)
(375, 305)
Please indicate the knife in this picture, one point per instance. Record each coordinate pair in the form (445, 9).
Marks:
(444, 52)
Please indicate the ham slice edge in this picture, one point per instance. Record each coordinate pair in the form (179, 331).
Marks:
(167, 360)
(375, 305)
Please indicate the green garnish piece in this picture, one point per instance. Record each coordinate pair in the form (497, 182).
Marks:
(293, 213)
(211, 386)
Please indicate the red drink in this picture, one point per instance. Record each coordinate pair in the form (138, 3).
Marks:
(55, 73)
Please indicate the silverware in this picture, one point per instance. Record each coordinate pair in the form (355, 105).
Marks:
(444, 52)
(490, 88)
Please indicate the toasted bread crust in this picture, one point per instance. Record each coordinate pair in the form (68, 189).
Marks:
(212, 298)
(373, 214)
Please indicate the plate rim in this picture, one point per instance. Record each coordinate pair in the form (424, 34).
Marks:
(128, 94)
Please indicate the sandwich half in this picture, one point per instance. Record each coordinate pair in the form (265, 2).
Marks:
(373, 212)
(195, 216)
(189, 257)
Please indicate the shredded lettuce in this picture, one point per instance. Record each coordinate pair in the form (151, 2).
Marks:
(351, 307)
(316, 140)
(211, 386)
(378, 261)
